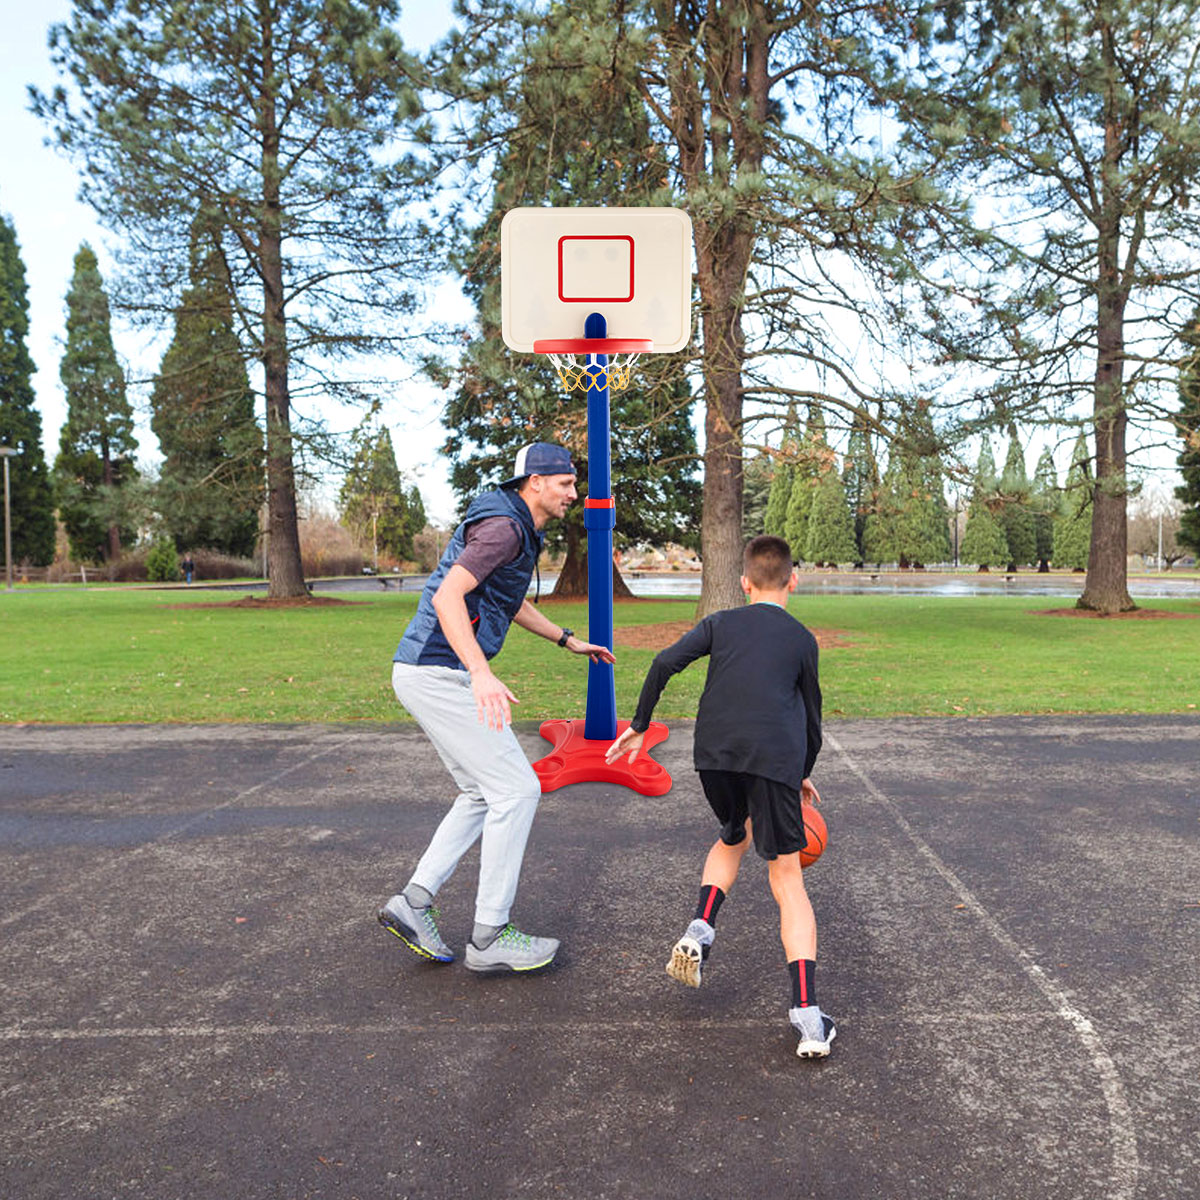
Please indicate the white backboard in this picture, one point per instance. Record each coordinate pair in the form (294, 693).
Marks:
(633, 265)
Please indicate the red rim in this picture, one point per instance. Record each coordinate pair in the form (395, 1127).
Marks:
(593, 346)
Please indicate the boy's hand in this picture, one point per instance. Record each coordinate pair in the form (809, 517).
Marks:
(809, 792)
(628, 740)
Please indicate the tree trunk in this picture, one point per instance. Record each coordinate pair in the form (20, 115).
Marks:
(573, 578)
(114, 530)
(737, 85)
(1106, 588)
(285, 570)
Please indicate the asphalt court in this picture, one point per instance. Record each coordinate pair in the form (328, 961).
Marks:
(196, 1001)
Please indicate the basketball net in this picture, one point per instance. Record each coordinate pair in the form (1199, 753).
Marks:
(578, 373)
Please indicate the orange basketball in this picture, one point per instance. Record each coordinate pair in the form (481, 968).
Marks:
(815, 833)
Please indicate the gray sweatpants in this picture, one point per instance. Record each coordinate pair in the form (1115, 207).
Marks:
(499, 789)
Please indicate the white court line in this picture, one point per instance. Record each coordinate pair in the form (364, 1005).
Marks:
(122, 860)
(1125, 1165)
(199, 1031)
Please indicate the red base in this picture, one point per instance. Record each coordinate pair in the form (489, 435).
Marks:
(576, 759)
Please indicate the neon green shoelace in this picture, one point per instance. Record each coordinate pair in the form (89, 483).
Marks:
(511, 934)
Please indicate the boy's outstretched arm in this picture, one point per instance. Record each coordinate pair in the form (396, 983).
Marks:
(628, 740)
(668, 662)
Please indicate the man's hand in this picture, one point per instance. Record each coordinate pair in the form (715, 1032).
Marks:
(595, 653)
(492, 698)
(628, 740)
(809, 793)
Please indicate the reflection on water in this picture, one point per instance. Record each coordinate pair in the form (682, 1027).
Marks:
(866, 583)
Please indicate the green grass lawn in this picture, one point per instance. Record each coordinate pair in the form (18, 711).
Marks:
(133, 655)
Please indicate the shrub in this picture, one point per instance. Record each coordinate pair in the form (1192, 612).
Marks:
(162, 563)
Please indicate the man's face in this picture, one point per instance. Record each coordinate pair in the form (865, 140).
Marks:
(551, 494)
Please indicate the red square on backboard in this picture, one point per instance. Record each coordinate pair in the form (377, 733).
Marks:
(602, 278)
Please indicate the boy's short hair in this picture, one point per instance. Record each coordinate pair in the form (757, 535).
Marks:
(767, 562)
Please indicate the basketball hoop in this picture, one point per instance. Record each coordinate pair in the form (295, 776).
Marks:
(622, 354)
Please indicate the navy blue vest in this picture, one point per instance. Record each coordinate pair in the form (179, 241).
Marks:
(493, 604)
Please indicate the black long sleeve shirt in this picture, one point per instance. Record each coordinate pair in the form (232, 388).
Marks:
(761, 707)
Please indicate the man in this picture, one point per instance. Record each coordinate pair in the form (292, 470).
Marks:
(441, 675)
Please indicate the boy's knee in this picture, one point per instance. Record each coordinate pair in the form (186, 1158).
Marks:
(784, 871)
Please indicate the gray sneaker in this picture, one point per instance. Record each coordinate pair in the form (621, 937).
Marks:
(815, 1029)
(689, 953)
(416, 928)
(512, 950)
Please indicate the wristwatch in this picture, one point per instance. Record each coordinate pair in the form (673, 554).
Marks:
(566, 633)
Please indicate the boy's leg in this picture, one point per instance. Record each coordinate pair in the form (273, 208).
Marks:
(723, 863)
(798, 932)
(797, 924)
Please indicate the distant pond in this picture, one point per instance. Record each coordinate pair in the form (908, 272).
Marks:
(864, 583)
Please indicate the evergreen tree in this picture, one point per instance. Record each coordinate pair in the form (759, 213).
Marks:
(813, 459)
(1044, 502)
(756, 494)
(830, 525)
(1073, 525)
(747, 107)
(95, 460)
(1016, 515)
(1083, 122)
(31, 499)
(860, 479)
(571, 152)
(211, 486)
(375, 506)
(1189, 430)
(910, 522)
(276, 120)
(775, 517)
(983, 540)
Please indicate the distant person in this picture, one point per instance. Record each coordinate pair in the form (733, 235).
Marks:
(441, 675)
(758, 732)
(189, 569)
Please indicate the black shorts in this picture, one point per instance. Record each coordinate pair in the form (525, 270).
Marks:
(773, 807)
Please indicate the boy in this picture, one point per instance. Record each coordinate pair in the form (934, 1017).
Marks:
(758, 732)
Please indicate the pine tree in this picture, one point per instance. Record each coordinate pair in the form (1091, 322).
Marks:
(1189, 430)
(909, 523)
(775, 517)
(1044, 501)
(756, 493)
(983, 540)
(281, 122)
(813, 459)
(1016, 516)
(95, 460)
(374, 504)
(573, 150)
(31, 498)
(211, 485)
(830, 525)
(860, 478)
(1073, 525)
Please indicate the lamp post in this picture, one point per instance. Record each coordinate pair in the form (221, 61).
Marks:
(6, 452)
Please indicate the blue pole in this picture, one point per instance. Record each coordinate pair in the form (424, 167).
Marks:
(599, 519)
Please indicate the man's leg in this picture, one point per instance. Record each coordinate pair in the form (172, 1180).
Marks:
(500, 795)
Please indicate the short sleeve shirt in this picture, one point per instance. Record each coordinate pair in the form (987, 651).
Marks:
(490, 543)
